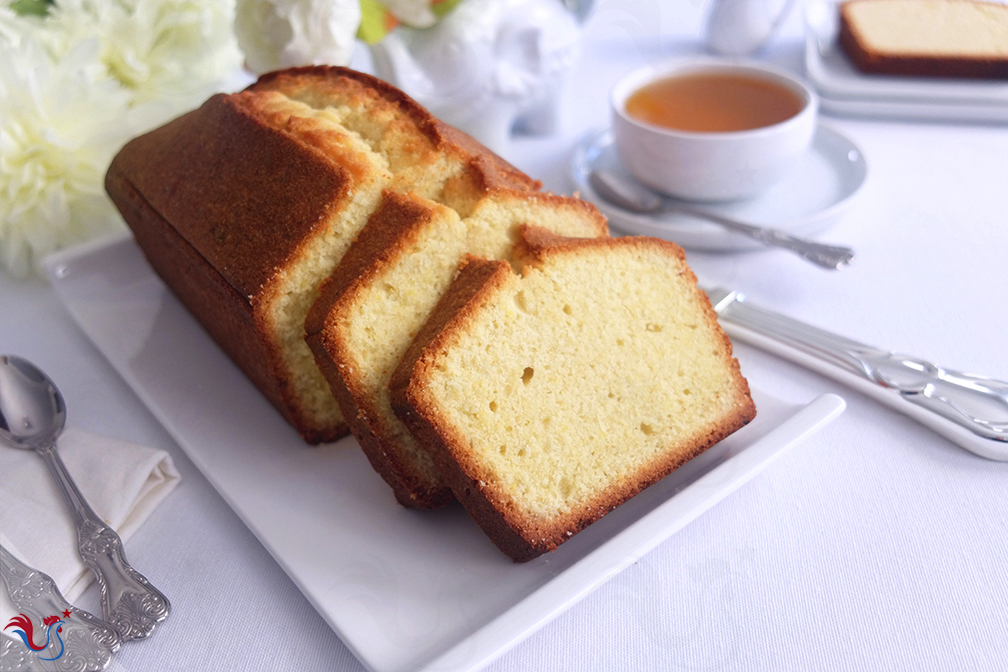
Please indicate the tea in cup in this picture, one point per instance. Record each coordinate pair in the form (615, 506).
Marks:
(711, 130)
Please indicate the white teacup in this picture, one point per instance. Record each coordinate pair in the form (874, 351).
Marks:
(706, 165)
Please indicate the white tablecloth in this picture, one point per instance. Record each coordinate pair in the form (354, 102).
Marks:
(875, 544)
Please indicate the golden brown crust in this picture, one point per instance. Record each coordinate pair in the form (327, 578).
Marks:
(227, 195)
(445, 138)
(224, 313)
(536, 243)
(871, 61)
(493, 507)
(208, 182)
(213, 174)
(395, 226)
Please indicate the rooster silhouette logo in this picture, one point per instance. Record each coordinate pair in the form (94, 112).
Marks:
(26, 631)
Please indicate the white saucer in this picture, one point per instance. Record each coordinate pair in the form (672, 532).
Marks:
(808, 200)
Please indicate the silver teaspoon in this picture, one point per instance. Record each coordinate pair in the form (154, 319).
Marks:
(635, 197)
(32, 415)
(74, 639)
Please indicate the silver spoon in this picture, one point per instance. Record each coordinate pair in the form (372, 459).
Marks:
(635, 197)
(32, 415)
(80, 641)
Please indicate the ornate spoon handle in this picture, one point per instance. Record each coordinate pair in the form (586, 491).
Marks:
(634, 197)
(77, 642)
(821, 254)
(129, 602)
(968, 409)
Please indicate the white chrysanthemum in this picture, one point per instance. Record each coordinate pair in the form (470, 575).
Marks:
(161, 50)
(13, 26)
(61, 125)
(278, 34)
(77, 84)
(173, 48)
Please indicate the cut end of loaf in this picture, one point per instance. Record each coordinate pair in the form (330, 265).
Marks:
(550, 398)
(382, 293)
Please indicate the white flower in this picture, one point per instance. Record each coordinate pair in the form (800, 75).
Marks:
(13, 26)
(278, 34)
(161, 50)
(61, 125)
(74, 87)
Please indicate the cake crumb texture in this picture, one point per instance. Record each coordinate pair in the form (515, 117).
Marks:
(380, 296)
(552, 396)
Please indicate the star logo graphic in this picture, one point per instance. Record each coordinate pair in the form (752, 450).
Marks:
(66, 613)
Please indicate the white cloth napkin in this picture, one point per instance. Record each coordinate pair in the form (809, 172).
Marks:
(122, 482)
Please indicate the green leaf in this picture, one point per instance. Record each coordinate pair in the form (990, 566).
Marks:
(31, 7)
(442, 7)
(374, 22)
(377, 21)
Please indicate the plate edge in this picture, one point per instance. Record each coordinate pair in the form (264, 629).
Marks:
(805, 421)
(825, 408)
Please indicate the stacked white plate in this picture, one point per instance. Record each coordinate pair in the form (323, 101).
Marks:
(844, 90)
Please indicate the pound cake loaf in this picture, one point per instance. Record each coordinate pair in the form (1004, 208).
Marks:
(549, 398)
(933, 38)
(381, 294)
(245, 205)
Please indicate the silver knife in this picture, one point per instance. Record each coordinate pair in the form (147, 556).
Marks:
(967, 409)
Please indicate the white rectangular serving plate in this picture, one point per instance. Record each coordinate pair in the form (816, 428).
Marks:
(404, 589)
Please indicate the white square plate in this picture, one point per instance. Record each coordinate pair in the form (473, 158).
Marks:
(404, 589)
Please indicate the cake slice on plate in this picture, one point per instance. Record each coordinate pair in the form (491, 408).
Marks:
(548, 398)
(379, 297)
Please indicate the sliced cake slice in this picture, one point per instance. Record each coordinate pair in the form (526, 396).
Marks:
(367, 314)
(549, 398)
(382, 293)
(929, 38)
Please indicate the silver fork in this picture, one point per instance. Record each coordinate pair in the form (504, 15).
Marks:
(76, 640)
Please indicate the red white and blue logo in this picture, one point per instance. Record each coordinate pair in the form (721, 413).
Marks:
(23, 627)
